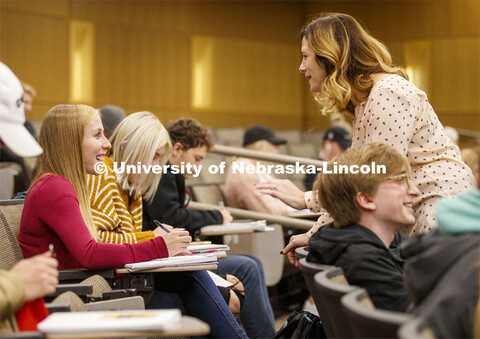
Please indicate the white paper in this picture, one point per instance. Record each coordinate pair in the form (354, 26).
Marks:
(172, 262)
(208, 248)
(257, 226)
(102, 321)
(218, 280)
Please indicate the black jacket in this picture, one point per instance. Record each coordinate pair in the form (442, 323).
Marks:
(167, 207)
(365, 261)
(442, 279)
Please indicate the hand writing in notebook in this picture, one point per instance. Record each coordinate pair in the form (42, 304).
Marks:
(161, 229)
(177, 241)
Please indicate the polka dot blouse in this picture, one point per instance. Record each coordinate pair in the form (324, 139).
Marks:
(398, 113)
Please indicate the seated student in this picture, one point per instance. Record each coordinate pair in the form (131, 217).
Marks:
(110, 215)
(442, 267)
(14, 148)
(240, 189)
(368, 211)
(116, 203)
(57, 211)
(335, 141)
(23, 286)
(191, 141)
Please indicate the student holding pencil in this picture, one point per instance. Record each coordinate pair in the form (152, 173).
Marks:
(57, 211)
(190, 143)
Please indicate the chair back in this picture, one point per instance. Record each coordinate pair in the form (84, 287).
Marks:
(77, 305)
(74, 301)
(366, 320)
(7, 182)
(309, 270)
(10, 214)
(332, 285)
(415, 329)
(209, 193)
(99, 284)
(230, 136)
(302, 252)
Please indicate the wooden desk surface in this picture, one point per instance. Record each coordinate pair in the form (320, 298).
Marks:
(188, 326)
(171, 269)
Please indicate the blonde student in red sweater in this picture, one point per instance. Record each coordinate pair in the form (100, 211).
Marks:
(57, 211)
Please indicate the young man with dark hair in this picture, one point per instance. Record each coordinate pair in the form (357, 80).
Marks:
(190, 143)
(369, 210)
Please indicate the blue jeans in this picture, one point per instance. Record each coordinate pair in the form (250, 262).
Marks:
(257, 315)
(196, 293)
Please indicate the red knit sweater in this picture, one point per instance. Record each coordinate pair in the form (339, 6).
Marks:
(51, 215)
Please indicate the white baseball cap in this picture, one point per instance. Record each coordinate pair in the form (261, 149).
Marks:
(12, 116)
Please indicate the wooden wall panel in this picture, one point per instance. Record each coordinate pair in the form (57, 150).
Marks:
(272, 21)
(173, 16)
(398, 19)
(38, 7)
(457, 75)
(143, 54)
(142, 69)
(35, 47)
(256, 77)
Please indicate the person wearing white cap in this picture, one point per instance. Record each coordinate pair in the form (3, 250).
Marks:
(17, 285)
(12, 116)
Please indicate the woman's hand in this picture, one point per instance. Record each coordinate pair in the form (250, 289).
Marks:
(177, 242)
(159, 232)
(298, 240)
(285, 190)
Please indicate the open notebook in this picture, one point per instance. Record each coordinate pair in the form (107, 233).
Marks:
(116, 321)
(237, 226)
(172, 262)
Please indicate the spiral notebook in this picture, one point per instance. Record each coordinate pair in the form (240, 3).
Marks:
(172, 262)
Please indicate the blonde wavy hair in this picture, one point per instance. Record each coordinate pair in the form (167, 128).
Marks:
(61, 137)
(337, 192)
(135, 140)
(350, 56)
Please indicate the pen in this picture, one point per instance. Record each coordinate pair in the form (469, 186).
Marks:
(221, 204)
(52, 252)
(159, 224)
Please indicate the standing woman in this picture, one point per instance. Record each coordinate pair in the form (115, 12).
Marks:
(348, 69)
(57, 209)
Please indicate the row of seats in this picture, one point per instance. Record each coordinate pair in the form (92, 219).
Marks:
(348, 312)
(234, 136)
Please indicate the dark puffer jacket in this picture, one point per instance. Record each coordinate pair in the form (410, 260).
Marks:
(442, 279)
(365, 261)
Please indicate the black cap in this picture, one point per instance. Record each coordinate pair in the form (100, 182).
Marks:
(111, 116)
(260, 132)
(338, 135)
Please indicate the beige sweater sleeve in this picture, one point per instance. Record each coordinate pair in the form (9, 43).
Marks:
(12, 295)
